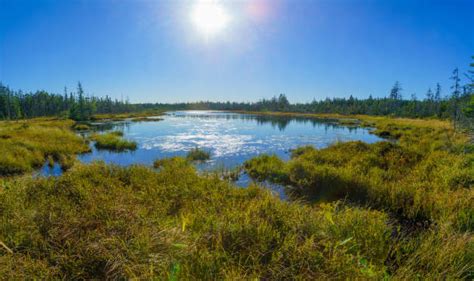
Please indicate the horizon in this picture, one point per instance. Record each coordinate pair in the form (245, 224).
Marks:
(163, 52)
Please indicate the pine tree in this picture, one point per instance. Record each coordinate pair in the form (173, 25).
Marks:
(455, 94)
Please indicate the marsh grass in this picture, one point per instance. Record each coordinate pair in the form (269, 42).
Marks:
(424, 180)
(112, 141)
(134, 116)
(198, 154)
(398, 210)
(26, 145)
(146, 119)
(106, 222)
(81, 127)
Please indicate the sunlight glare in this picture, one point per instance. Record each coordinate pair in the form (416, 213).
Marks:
(209, 17)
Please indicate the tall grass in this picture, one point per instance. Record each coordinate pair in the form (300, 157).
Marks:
(426, 175)
(25, 145)
(113, 141)
(198, 154)
(390, 210)
(107, 222)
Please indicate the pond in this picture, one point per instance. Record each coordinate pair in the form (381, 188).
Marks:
(231, 138)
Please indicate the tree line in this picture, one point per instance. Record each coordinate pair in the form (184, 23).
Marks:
(455, 103)
(75, 105)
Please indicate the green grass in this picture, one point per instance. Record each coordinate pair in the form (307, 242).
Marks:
(26, 145)
(113, 141)
(146, 119)
(134, 116)
(107, 222)
(399, 210)
(197, 154)
(81, 127)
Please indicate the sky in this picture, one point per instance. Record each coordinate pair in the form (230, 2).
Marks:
(158, 51)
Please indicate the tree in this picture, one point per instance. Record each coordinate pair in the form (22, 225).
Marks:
(455, 94)
(396, 91)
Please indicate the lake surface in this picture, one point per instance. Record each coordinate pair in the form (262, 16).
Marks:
(231, 138)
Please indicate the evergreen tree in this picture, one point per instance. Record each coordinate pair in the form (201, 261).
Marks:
(455, 94)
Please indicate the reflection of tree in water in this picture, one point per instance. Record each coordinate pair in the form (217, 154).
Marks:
(109, 126)
(280, 122)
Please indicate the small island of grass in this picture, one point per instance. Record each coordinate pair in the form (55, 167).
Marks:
(81, 127)
(198, 154)
(113, 141)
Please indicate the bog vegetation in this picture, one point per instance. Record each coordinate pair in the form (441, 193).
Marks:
(386, 210)
(26, 145)
(198, 154)
(112, 141)
(401, 209)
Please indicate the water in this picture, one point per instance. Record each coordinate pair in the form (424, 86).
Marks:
(231, 138)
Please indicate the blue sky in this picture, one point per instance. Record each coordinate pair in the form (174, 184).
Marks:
(150, 51)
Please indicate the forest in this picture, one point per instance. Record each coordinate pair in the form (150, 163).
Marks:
(455, 103)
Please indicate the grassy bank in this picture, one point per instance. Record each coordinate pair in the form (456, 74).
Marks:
(100, 221)
(113, 141)
(424, 181)
(427, 174)
(25, 145)
(134, 116)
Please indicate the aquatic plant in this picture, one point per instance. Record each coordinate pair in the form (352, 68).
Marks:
(198, 154)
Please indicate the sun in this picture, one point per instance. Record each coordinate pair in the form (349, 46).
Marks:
(209, 17)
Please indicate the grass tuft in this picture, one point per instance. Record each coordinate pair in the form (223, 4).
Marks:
(113, 141)
(197, 154)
